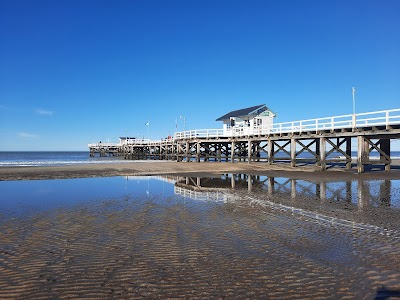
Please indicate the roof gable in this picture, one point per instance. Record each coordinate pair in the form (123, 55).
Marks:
(242, 112)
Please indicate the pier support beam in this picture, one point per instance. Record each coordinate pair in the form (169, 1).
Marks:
(348, 153)
(322, 154)
(233, 145)
(292, 152)
(198, 152)
(270, 152)
(249, 151)
(187, 152)
(362, 149)
(385, 153)
(366, 146)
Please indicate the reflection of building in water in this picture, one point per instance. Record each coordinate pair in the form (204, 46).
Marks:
(205, 188)
(219, 196)
(169, 179)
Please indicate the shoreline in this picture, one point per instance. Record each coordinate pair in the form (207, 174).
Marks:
(149, 168)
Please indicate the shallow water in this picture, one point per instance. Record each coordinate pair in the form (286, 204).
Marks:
(166, 237)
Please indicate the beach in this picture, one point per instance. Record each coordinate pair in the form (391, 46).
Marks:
(151, 243)
(141, 168)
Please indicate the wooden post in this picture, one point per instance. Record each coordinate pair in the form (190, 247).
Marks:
(270, 152)
(360, 154)
(187, 152)
(318, 151)
(322, 154)
(293, 152)
(257, 151)
(348, 152)
(198, 152)
(233, 152)
(233, 181)
(179, 151)
(385, 147)
(249, 151)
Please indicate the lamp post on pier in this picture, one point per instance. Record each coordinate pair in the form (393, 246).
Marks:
(184, 122)
(353, 91)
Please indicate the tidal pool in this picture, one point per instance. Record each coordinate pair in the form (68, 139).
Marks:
(230, 236)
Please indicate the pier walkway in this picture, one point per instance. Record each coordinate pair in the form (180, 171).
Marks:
(323, 141)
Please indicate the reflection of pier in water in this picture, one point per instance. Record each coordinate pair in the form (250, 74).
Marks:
(363, 193)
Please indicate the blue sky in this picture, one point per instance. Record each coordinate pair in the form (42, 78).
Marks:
(73, 72)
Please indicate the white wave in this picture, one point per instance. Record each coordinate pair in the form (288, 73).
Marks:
(67, 162)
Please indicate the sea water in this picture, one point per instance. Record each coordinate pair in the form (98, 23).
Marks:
(20, 197)
(47, 158)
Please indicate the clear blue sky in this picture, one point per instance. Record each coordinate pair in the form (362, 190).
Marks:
(73, 72)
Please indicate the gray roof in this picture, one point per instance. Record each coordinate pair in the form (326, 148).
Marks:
(241, 112)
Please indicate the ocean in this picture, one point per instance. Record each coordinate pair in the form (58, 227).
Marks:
(49, 158)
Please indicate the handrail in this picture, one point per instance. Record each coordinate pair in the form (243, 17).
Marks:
(104, 145)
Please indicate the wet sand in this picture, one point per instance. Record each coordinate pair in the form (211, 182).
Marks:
(183, 168)
(119, 249)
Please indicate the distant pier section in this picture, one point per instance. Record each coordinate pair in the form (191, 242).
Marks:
(251, 135)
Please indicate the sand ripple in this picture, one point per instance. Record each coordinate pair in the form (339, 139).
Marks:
(124, 249)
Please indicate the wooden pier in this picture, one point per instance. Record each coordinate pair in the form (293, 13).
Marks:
(323, 142)
(105, 149)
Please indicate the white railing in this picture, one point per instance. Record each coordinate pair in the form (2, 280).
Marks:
(103, 145)
(376, 118)
(199, 133)
(146, 142)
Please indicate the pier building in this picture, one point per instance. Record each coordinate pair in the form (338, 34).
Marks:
(247, 120)
(250, 134)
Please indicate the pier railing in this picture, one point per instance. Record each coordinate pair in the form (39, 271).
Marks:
(103, 145)
(376, 118)
(137, 142)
